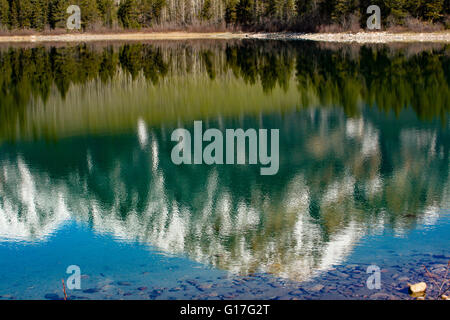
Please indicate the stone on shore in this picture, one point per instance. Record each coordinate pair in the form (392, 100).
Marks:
(418, 287)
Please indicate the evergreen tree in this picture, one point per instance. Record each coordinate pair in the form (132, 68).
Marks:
(304, 7)
(58, 13)
(288, 9)
(128, 14)
(25, 13)
(205, 14)
(433, 9)
(89, 13)
(299, 15)
(415, 8)
(146, 12)
(270, 8)
(4, 13)
(13, 15)
(106, 9)
(397, 10)
(230, 12)
(39, 15)
(341, 9)
(20, 13)
(244, 12)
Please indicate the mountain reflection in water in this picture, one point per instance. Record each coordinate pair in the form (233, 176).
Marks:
(364, 146)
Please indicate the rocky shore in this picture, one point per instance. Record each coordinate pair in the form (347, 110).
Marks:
(343, 282)
(360, 37)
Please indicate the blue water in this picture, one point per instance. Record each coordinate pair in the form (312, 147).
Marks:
(30, 270)
(388, 248)
(87, 178)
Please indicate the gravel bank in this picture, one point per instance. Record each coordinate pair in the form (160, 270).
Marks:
(83, 37)
(361, 37)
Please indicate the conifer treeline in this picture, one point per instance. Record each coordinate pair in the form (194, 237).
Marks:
(261, 14)
(390, 80)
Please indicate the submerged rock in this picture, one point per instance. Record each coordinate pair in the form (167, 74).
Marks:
(382, 296)
(91, 290)
(204, 287)
(52, 296)
(107, 287)
(416, 288)
(155, 293)
(316, 288)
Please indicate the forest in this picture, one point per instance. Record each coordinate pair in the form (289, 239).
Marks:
(215, 15)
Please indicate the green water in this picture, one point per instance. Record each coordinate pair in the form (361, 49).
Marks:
(364, 147)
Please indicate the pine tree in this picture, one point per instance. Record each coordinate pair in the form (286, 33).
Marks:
(270, 8)
(58, 13)
(13, 15)
(342, 9)
(433, 9)
(230, 12)
(39, 15)
(25, 13)
(416, 8)
(308, 14)
(287, 10)
(89, 13)
(4, 13)
(397, 9)
(244, 12)
(106, 11)
(304, 7)
(128, 14)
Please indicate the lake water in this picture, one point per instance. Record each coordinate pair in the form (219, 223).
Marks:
(86, 176)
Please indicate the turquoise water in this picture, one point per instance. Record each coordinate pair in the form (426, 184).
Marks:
(86, 176)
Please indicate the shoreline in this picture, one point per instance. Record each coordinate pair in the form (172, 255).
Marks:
(343, 282)
(345, 37)
(362, 37)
